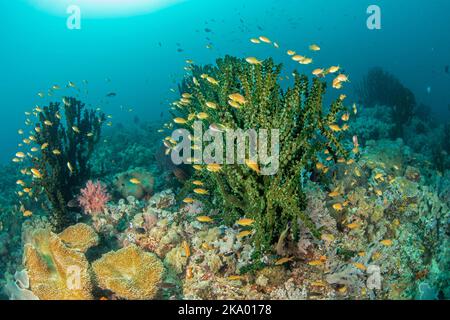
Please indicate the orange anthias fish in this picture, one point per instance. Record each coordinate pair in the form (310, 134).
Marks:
(187, 250)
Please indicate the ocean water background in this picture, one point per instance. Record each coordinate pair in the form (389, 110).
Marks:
(140, 53)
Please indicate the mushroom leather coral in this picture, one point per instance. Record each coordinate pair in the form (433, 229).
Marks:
(56, 271)
(130, 273)
(79, 237)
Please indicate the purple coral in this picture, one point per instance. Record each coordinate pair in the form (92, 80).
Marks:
(93, 198)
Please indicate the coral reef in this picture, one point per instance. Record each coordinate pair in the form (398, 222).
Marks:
(130, 273)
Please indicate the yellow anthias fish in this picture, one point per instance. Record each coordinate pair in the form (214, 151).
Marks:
(197, 183)
(333, 194)
(252, 165)
(202, 116)
(34, 149)
(234, 104)
(211, 105)
(48, 123)
(265, 39)
(386, 242)
(75, 129)
(243, 234)
(335, 127)
(41, 94)
(337, 84)
(44, 146)
(197, 167)
(213, 167)
(254, 40)
(135, 181)
(333, 69)
(318, 72)
(345, 117)
(188, 200)
(20, 131)
(20, 183)
(291, 52)
(187, 250)
(360, 266)
(212, 80)
(27, 213)
(314, 47)
(298, 58)
(379, 176)
(342, 78)
(201, 191)
(20, 155)
(36, 173)
(319, 166)
(306, 61)
(353, 225)
(180, 121)
(253, 60)
(245, 222)
(282, 261)
(204, 219)
(238, 98)
(338, 207)
(56, 152)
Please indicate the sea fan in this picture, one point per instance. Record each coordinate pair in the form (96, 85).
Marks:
(93, 198)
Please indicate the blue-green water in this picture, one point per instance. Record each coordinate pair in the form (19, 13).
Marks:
(139, 53)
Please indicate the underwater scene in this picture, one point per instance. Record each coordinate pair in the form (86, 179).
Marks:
(225, 150)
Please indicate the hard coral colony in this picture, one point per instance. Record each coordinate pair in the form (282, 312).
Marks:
(338, 210)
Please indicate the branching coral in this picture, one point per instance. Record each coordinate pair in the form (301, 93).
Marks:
(276, 201)
(93, 198)
(130, 273)
(379, 87)
(60, 163)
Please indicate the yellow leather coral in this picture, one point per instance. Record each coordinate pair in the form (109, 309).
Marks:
(79, 237)
(56, 271)
(130, 273)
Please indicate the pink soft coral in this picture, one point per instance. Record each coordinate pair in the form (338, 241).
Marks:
(93, 198)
